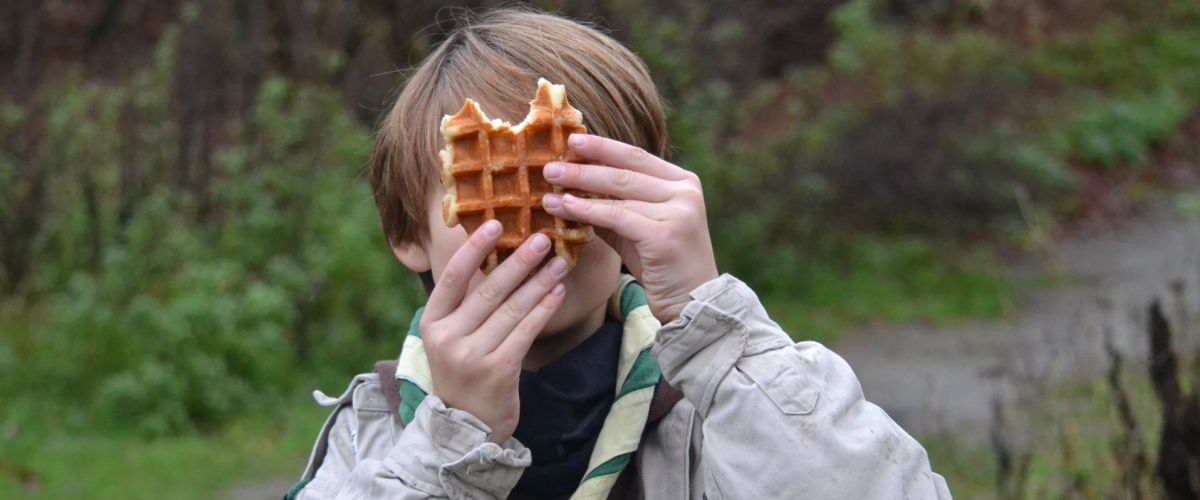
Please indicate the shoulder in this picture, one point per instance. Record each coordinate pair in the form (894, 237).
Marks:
(362, 424)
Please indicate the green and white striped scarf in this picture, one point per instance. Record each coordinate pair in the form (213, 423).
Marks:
(637, 374)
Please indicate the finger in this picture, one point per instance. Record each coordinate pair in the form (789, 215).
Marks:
(618, 182)
(624, 156)
(492, 292)
(519, 304)
(634, 220)
(450, 288)
(517, 343)
(553, 202)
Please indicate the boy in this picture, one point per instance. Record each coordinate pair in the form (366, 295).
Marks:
(539, 381)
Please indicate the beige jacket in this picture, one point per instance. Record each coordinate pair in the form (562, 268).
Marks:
(762, 418)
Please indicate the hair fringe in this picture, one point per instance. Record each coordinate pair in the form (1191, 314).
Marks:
(489, 56)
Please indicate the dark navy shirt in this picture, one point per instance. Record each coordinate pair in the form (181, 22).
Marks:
(563, 406)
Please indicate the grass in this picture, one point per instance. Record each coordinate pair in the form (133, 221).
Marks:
(891, 281)
(969, 469)
(1071, 433)
(254, 448)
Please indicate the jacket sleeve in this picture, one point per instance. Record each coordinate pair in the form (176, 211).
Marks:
(781, 420)
(443, 453)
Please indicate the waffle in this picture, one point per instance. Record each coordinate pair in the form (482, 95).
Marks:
(492, 169)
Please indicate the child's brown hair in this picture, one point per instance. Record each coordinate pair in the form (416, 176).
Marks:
(496, 59)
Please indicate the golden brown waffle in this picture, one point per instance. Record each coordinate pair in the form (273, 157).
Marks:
(492, 169)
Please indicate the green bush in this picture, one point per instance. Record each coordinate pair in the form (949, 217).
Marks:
(1122, 131)
(173, 320)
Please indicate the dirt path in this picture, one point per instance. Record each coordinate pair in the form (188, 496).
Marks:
(943, 379)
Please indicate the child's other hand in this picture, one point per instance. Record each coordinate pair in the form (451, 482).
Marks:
(656, 221)
(476, 339)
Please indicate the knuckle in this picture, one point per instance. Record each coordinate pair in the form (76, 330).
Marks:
(451, 275)
(692, 198)
(436, 347)
(621, 177)
(488, 291)
(463, 359)
(637, 155)
(678, 211)
(500, 363)
(485, 366)
(432, 339)
(582, 206)
(512, 310)
(616, 209)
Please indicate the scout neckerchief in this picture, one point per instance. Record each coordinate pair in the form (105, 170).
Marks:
(637, 374)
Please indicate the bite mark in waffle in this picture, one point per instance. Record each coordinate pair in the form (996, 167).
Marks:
(492, 169)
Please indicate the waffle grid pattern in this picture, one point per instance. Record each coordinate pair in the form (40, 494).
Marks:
(494, 171)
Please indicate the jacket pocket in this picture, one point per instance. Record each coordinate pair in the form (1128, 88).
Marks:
(778, 374)
(375, 428)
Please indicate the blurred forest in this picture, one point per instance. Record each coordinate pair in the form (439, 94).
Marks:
(187, 242)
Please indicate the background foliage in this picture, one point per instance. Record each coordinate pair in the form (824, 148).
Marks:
(186, 239)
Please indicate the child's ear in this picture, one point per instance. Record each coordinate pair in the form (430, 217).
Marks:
(413, 256)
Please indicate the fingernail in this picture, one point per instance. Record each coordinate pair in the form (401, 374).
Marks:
(576, 141)
(553, 170)
(570, 199)
(491, 228)
(552, 201)
(540, 243)
(558, 289)
(558, 266)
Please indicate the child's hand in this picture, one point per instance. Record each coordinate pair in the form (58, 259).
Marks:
(656, 221)
(476, 341)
